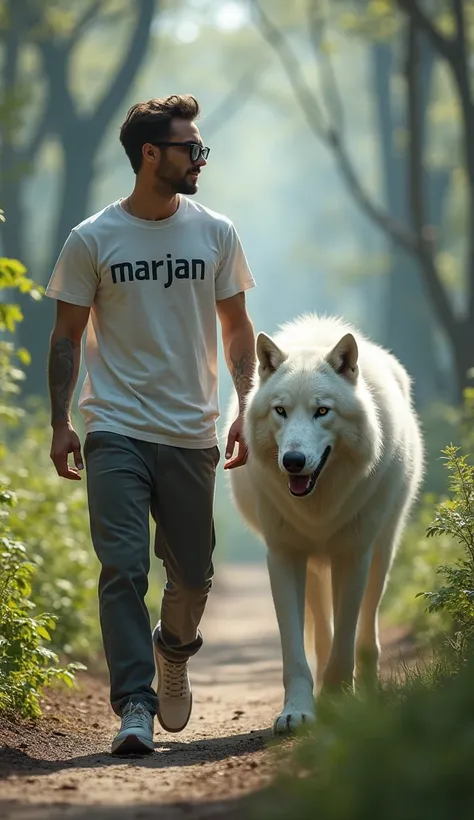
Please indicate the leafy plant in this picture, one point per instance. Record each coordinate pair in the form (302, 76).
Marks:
(12, 276)
(396, 754)
(421, 561)
(455, 519)
(26, 664)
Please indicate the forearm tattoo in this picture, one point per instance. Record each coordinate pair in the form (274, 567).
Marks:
(63, 369)
(242, 373)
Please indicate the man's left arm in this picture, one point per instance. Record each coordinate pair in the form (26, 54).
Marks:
(238, 339)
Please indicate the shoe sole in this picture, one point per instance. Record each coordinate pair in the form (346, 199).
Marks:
(133, 745)
(158, 714)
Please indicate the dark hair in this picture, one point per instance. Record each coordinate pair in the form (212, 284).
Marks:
(150, 121)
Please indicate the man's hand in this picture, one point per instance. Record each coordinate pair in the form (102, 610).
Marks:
(65, 441)
(234, 437)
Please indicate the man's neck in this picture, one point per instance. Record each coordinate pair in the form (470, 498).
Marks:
(151, 206)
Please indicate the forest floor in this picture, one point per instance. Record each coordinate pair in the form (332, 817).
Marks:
(60, 767)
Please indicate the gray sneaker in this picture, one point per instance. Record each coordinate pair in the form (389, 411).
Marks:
(175, 700)
(135, 735)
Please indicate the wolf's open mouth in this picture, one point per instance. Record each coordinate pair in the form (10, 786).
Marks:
(301, 485)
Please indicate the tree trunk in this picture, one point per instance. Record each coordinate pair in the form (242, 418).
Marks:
(73, 207)
(10, 164)
(80, 138)
(410, 325)
(75, 194)
(464, 359)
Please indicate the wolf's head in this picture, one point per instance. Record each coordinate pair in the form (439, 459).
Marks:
(308, 407)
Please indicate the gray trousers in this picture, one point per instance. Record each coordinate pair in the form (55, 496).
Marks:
(126, 480)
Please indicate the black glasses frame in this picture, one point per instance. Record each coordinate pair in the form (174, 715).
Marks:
(196, 151)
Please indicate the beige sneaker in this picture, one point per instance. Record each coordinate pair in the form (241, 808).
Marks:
(175, 700)
(135, 735)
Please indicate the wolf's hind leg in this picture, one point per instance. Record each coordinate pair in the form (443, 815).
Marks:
(349, 577)
(367, 642)
(319, 617)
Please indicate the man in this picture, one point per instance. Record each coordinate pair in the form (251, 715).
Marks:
(147, 275)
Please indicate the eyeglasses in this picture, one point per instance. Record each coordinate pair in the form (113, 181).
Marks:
(196, 151)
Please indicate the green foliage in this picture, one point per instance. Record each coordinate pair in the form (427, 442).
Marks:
(26, 664)
(455, 519)
(416, 568)
(12, 276)
(375, 19)
(399, 754)
(419, 562)
(53, 519)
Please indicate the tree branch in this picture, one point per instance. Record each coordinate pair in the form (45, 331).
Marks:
(308, 101)
(87, 18)
(30, 151)
(415, 146)
(330, 87)
(241, 92)
(411, 241)
(460, 67)
(395, 230)
(54, 57)
(425, 239)
(442, 44)
(126, 74)
(330, 136)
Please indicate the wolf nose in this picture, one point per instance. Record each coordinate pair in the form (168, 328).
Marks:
(293, 461)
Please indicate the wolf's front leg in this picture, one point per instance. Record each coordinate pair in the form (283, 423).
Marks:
(349, 579)
(288, 581)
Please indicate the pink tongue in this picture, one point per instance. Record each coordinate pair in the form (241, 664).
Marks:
(299, 483)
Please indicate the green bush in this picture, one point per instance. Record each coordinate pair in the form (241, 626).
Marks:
(455, 519)
(52, 518)
(418, 563)
(26, 664)
(387, 757)
(416, 568)
(12, 277)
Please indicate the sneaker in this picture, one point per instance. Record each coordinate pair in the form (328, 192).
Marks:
(175, 700)
(136, 732)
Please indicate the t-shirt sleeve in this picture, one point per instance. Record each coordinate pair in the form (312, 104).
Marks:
(234, 274)
(74, 278)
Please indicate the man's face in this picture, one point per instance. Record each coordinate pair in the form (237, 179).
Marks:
(175, 171)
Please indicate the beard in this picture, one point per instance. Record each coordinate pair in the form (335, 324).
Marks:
(177, 184)
(186, 186)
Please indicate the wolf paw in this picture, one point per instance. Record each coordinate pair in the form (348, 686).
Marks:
(289, 721)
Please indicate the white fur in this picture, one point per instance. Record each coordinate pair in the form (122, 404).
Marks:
(349, 526)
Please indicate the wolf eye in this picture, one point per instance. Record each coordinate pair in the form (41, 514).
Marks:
(281, 411)
(321, 411)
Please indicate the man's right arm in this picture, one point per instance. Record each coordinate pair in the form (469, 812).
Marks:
(63, 370)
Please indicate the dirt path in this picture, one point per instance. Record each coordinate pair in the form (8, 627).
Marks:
(61, 768)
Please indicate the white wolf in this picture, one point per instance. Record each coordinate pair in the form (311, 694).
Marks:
(335, 463)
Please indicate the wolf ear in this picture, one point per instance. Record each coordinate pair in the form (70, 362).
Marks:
(269, 355)
(343, 357)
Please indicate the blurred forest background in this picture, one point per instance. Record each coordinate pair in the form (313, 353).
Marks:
(342, 147)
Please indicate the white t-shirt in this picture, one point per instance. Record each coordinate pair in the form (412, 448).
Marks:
(151, 341)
